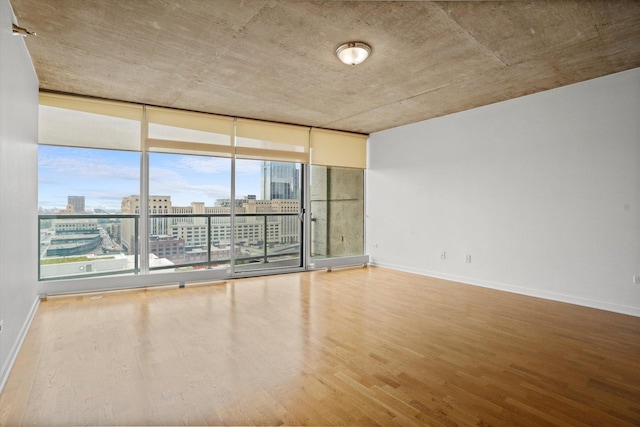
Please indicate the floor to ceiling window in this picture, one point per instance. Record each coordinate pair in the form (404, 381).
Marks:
(269, 157)
(88, 161)
(189, 169)
(130, 189)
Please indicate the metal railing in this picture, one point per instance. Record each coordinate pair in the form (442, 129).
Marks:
(64, 253)
(179, 241)
(264, 240)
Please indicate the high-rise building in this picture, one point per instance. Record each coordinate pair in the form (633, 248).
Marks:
(192, 231)
(76, 203)
(157, 226)
(168, 247)
(279, 180)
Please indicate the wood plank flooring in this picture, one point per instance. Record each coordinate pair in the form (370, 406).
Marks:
(365, 346)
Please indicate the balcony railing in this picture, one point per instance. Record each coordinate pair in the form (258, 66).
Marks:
(73, 246)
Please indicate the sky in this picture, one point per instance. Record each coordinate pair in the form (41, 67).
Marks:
(104, 177)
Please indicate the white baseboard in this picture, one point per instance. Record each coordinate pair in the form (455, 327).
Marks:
(570, 299)
(347, 261)
(15, 349)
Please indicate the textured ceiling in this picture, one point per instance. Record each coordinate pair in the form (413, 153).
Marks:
(275, 59)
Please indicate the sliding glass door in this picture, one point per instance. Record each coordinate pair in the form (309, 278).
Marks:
(268, 216)
(192, 211)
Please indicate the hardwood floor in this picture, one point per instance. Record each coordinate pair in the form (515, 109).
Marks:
(350, 347)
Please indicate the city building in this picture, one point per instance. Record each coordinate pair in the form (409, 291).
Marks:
(157, 226)
(76, 204)
(114, 229)
(73, 244)
(73, 237)
(168, 247)
(192, 231)
(77, 226)
(279, 180)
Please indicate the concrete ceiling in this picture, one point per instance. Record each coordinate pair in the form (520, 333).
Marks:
(275, 59)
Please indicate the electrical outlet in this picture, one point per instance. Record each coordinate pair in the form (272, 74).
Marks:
(375, 246)
(468, 259)
(636, 280)
(1, 325)
(443, 255)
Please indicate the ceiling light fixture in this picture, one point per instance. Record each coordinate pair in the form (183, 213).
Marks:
(353, 53)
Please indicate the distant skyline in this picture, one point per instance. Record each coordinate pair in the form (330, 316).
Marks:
(104, 177)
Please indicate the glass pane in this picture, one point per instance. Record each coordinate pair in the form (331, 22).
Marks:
(79, 196)
(268, 227)
(189, 212)
(337, 212)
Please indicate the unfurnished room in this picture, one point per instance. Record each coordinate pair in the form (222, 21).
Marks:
(290, 212)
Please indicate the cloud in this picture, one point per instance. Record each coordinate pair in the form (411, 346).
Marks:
(159, 174)
(182, 189)
(248, 167)
(190, 178)
(86, 164)
(105, 176)
(186, 193)
(214, 165)
(208, 165)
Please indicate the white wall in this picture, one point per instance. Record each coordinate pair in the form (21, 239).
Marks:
(542, 191)
(18, 190)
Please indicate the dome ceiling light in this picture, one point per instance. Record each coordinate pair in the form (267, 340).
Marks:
(353, 53)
